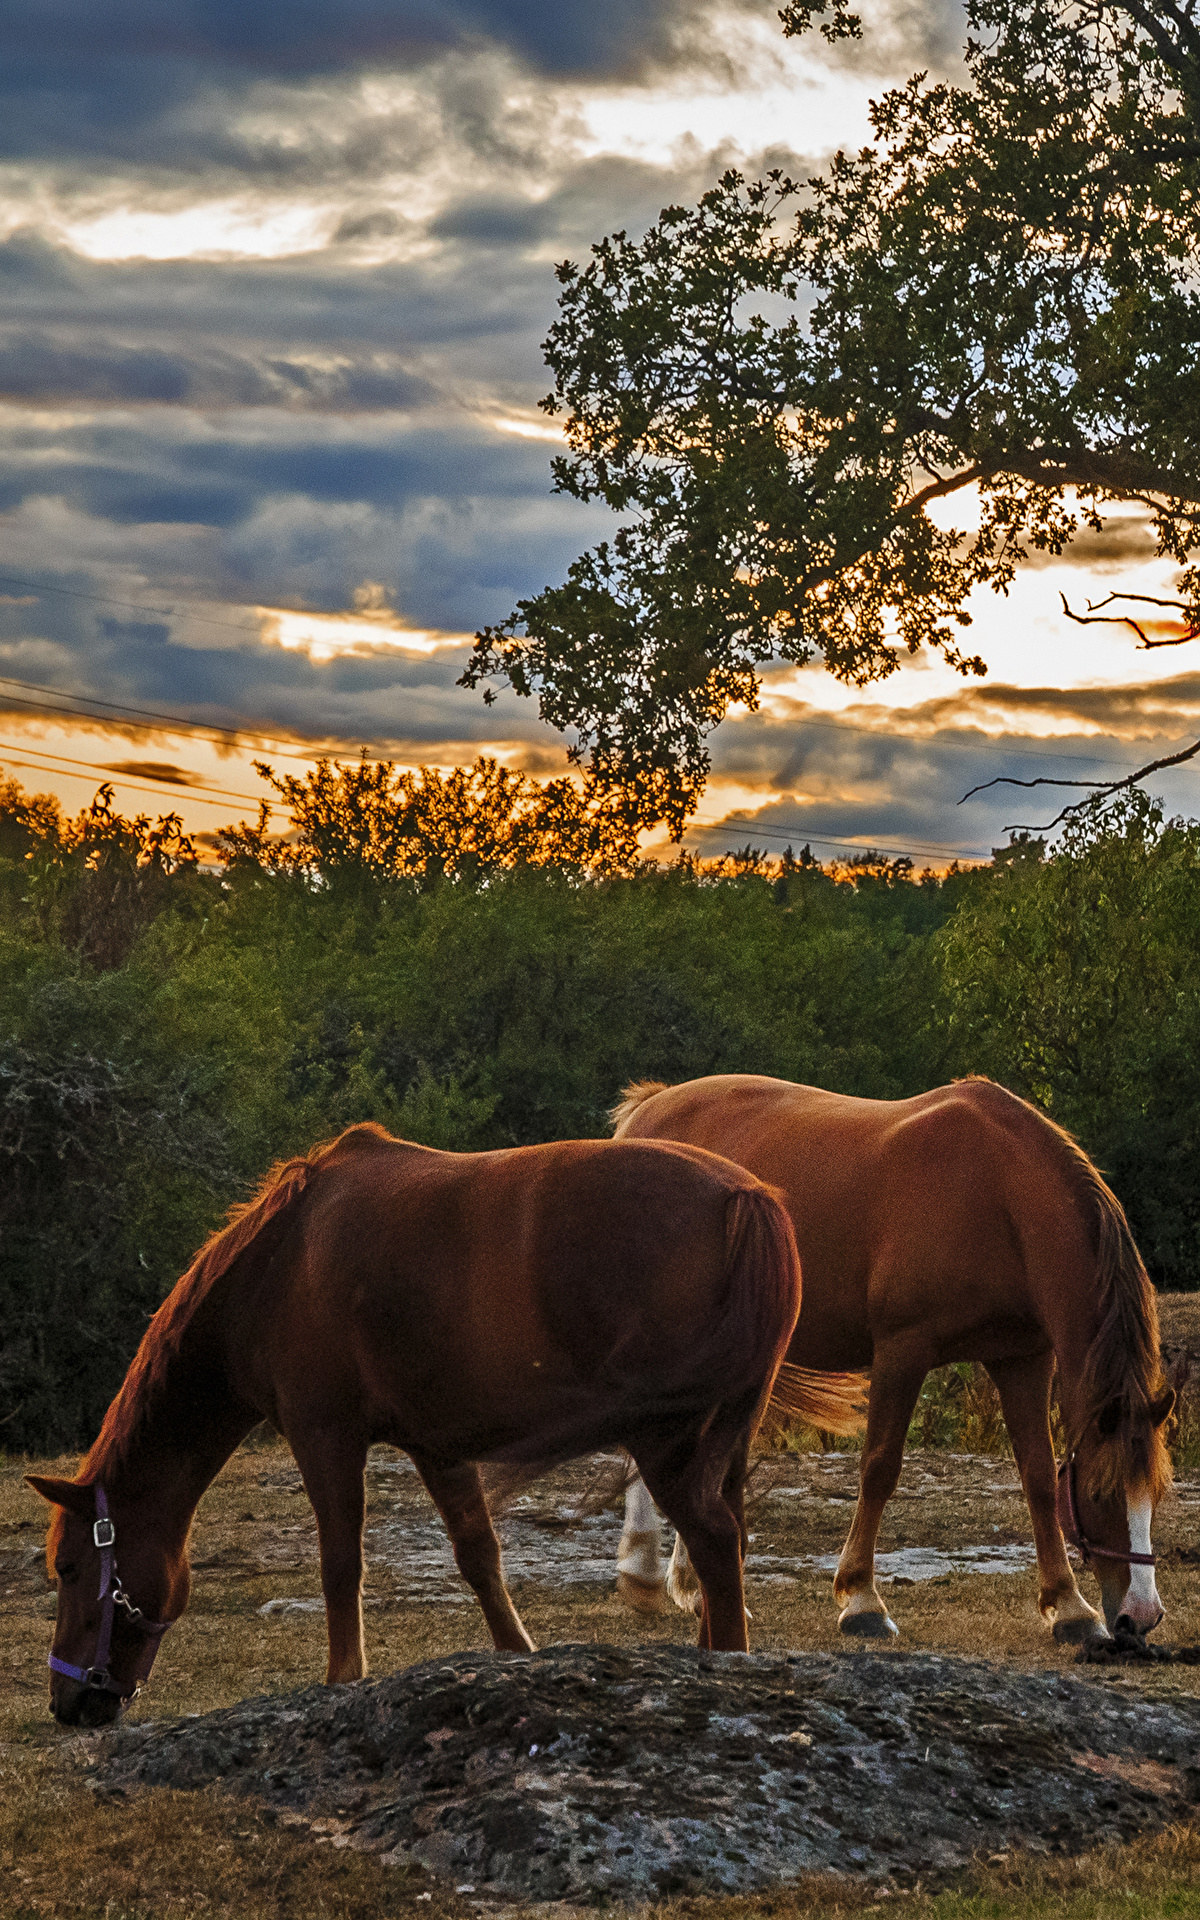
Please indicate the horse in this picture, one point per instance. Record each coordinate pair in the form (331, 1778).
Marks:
(525, 1305)
(962, 1224)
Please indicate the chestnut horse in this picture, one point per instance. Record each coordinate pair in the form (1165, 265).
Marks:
(525, 1305)
(959, 1225)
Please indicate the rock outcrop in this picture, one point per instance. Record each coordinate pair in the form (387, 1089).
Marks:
(587, 1771)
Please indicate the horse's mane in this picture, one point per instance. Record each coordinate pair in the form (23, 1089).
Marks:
(246, 1222)
(1123, 1365)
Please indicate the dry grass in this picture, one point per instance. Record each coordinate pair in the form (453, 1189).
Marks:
(172, 1856)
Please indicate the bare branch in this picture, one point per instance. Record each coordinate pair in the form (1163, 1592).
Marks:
(1094, 618)
(1099, 789)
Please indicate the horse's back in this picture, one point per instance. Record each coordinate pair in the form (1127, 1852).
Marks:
(916, 1211)
(446, 1283)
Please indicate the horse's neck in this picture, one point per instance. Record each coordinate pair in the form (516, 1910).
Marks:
(1072, 1321)
(177, 1427)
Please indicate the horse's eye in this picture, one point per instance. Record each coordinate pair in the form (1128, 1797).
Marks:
(66, 1570)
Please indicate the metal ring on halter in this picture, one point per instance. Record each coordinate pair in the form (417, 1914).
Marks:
(97, 1677)
(1078, 1537)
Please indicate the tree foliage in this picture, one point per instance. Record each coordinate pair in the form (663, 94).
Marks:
(269, 1004)
(999, 294)
(352, 824)
(1076, 981)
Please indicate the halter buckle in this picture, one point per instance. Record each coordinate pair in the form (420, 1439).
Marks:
(104, 1533)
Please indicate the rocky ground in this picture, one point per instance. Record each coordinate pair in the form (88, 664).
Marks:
(601, 1772)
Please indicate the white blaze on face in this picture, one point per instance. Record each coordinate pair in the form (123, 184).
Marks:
(1141, 1602)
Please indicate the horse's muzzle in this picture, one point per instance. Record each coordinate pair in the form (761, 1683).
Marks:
(74, 1705)
(1139, 1616)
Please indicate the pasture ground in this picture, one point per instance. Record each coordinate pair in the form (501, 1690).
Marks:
(173, 1855)
(254, 1547)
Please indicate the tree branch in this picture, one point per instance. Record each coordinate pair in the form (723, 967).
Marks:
(1100, 789)
(1094, 618)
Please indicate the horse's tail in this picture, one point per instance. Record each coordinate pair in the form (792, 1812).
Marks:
(634, 1096)
(833, 1402)
(763, 1285)
(762, 1307)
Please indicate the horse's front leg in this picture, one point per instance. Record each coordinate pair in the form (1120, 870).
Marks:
(1024, 1389)
(332, 1465)
(640, 1580)
(457, 1493)
(895, 1384)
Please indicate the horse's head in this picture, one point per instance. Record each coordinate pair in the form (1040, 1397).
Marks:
(109, 1623)
(1108, 1488)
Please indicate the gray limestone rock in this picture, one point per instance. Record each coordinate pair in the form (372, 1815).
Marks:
(585, 1771)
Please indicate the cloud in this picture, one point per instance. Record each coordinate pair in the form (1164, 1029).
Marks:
(140, 84)
(164, 770)
(1136, 711)
(83, 366)
(897, 781)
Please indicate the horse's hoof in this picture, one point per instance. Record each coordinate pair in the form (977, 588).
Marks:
(868, 1626)
(641, 1595)
(1073, 1633)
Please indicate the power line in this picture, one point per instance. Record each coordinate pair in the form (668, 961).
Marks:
(131, 606)
(220, 734)
(95, 766)
(130, 786)
(799, 832)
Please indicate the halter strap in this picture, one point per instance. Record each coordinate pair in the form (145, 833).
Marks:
(112, 1595)
(1077, 1536)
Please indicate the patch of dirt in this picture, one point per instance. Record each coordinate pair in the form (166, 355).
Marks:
(589, 1773)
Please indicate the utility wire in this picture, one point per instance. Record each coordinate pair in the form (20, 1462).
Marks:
(229, 626)
(222, 735)
(131, 606)
(95, 766)
(209, 796)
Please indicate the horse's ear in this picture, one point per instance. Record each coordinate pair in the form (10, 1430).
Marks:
(1109, 1418)
(1160, 1410)
(64, 1493)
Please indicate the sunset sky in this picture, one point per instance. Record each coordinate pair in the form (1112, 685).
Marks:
(274, 282)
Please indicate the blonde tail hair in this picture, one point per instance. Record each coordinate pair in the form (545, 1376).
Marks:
(832, 1402)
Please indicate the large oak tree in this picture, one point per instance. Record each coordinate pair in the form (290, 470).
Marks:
(1001, 293)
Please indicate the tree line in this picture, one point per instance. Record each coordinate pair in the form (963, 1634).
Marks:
(476, 961)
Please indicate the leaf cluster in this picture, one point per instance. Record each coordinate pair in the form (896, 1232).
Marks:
(999, 294)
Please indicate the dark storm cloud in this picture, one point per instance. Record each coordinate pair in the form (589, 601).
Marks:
(1134, 711)
(901, 782)
(312, 298)
(574, 37)
(156, 83)
(67, 367)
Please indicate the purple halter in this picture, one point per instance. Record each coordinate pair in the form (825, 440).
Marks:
(1074, 1529)
(113, 1595)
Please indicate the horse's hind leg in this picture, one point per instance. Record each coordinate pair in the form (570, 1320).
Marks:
(639, 1558)
(457, 1493)
(698, 1487)
(895, 1384)
(332, 1464)
(1024, 1389)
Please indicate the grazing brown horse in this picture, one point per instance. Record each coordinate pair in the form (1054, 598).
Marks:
(527, 1305)
(960, 1225)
